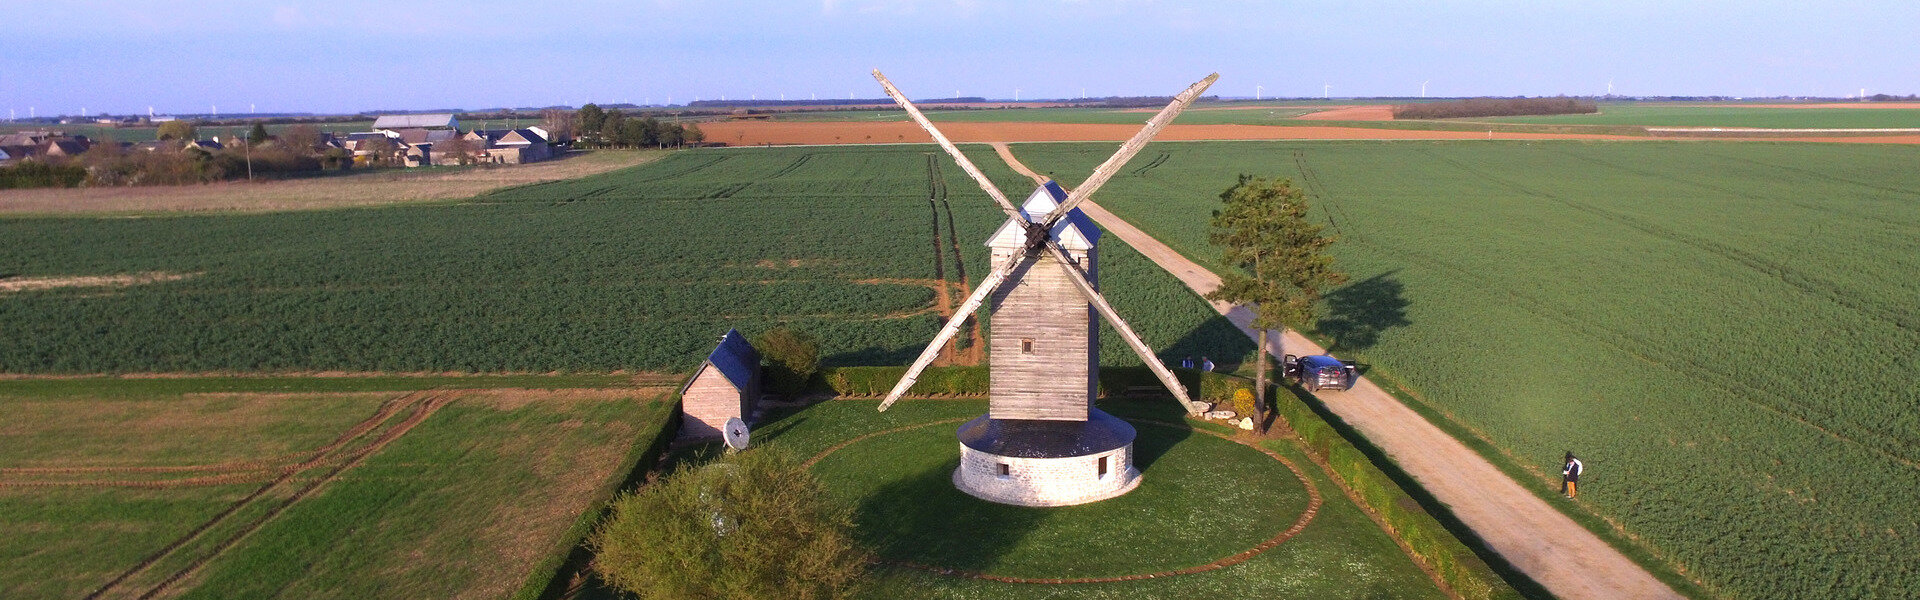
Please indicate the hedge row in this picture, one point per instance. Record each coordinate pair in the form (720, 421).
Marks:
(973, 381)
(547, 579)
(1425, 537)
(1495, 107)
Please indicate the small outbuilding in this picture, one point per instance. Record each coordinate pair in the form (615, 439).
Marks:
(726, 386)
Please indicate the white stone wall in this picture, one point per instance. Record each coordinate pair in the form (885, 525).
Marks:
(1046, 481)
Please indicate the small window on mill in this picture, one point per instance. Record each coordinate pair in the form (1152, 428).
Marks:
(1026, 346)
(1005, 470)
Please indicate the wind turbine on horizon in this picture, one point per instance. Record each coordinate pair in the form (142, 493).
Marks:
(1423, 87)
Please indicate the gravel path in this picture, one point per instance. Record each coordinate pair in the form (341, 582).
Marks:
(1549, 547)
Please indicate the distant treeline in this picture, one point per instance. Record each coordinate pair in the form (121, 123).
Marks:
(593, 127)
(1495, 107)
(826, 102)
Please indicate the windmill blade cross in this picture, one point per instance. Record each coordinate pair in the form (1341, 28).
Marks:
(980, 178)
(1099, 303)
(960, 315)
(1132, 147)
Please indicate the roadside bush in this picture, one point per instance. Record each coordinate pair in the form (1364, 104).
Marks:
(1449, 559)
(791, 358)
(35, 173)
(875, 381)
(750, 525)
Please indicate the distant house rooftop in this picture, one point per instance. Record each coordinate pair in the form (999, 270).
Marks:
(426, 136)
(433, 121)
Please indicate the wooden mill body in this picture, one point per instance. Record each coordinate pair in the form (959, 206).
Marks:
(1044, 339)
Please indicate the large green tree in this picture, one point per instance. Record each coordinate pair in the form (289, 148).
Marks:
(1281, 255)
(755, 524)
(177, 130)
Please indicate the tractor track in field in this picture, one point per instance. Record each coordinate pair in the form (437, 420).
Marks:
(1647, 351)
(218, 474)
(956, 285)
(1310, 179)
(424, 404)
(1787, 275)
(1529, 534)
(424, 409)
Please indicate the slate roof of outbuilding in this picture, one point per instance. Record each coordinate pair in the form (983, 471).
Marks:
(734, 358)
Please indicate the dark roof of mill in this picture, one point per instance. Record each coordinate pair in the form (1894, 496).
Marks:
(1021, 438)
(734, 358)
(1075, 231)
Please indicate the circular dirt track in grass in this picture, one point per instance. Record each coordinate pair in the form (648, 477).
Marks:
(1205, 503)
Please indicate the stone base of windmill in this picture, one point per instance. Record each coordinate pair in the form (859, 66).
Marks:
(1046, 463)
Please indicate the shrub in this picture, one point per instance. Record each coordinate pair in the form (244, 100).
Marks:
(751, 525)
(35, 173)
(1243, 402)
(874, 381)
(791, 358)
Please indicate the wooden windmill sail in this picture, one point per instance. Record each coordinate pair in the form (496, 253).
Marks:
(1043, 260)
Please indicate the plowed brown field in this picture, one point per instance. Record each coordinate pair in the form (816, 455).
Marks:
(1372, 112)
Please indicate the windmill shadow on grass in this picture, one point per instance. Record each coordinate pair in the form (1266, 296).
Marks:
(1358, 313)
(923, 519)
(1217, 339)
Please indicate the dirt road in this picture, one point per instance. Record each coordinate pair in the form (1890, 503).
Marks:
(1568, 560)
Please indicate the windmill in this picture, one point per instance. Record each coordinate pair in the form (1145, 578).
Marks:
(1042, 443)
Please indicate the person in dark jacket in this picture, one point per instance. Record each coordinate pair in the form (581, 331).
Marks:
(1570, 475)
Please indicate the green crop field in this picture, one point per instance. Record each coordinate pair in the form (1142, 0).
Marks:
(1278, 114)
(1681, 115)
(635, 269)
(131, 487)
(1725, 332)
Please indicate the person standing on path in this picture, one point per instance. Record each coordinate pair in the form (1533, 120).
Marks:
(1570, 475)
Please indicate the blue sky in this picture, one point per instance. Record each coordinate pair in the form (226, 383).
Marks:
(58, 56)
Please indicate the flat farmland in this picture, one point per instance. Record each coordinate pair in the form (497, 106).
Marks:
(1719, 115)
(125, 488)
(1199, 115)
(637, 269)
(1725, 332)
(331, 189)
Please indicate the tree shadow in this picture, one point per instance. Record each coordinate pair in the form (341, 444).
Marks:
(1358, 313)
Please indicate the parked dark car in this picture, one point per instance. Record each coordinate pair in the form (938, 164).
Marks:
(1320, 372)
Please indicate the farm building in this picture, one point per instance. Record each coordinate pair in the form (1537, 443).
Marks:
(399, 122)
(725, 386)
